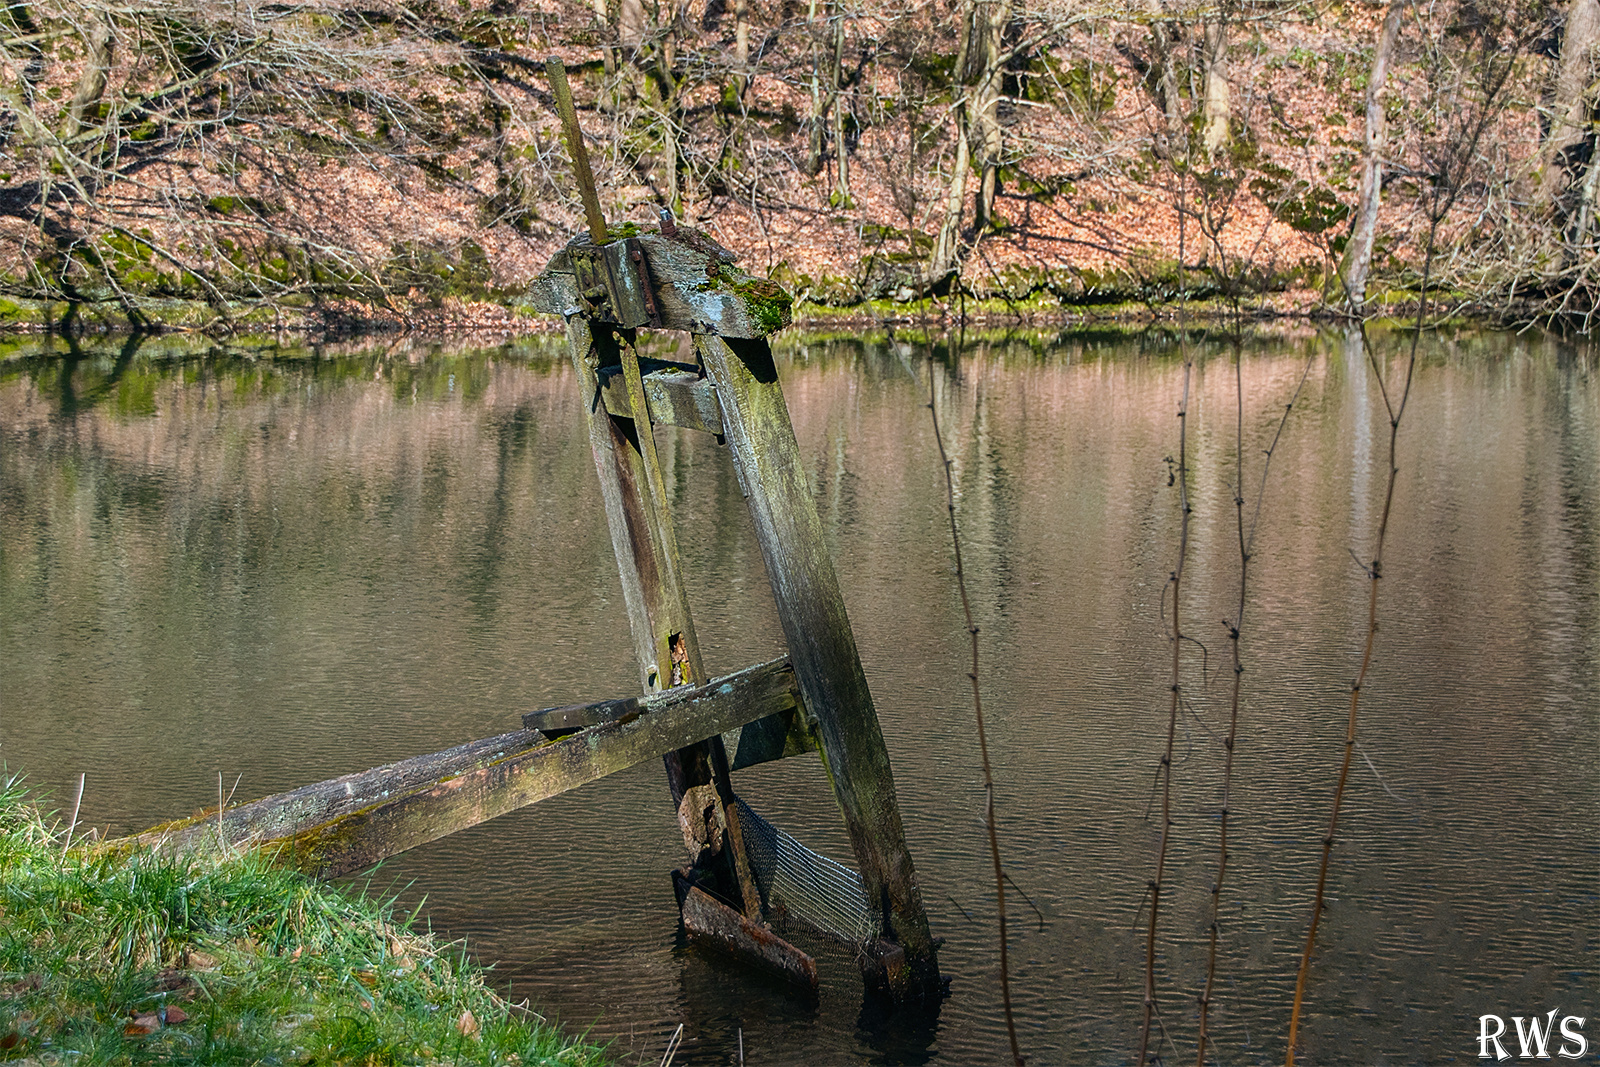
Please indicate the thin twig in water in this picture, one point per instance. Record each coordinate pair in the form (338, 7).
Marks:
(983, 742)
(1013, 883)
(1247, 539)
(72, 824)
(672, 1046)
(1374, 769)
(1374, 576)
(1181, 480)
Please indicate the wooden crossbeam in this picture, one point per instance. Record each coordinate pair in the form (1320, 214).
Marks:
(350, 823)
(693, 282)
(674, 392)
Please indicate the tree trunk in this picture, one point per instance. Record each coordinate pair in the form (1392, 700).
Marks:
(1578, 241)
(1217, 114)
(741, 43)
(631, 23)
(983, 60)
(947, 245)
(92, 81)
(816, 125)
(836, 74)
(1572, 99)
(608, 54)
(1172, 142)
(1358, 252)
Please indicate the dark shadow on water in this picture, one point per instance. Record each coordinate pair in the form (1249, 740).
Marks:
(903, 1036)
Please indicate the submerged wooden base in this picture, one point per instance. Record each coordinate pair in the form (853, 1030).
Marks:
(708, 919)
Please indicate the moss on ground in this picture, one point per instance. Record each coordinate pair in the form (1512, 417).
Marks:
(137, 958)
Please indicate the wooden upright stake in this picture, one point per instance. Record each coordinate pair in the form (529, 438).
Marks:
(822, 648)
(557, 72)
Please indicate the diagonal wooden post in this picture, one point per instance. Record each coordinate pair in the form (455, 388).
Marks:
(823, 651)
(646, 549)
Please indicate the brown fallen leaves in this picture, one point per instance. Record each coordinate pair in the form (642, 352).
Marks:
(148, 1022)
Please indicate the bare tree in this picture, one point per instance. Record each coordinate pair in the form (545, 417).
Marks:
(1572, 101)
(187, 158)
(1358, 251)
(1214, 63)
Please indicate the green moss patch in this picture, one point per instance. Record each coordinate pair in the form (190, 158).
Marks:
(770, 306)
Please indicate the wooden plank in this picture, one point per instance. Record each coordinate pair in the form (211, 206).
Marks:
(676, 395)
(609, 284)
(683, 398)
(390, 824)
(773, 738)
(705, 917)
(285, 813)
(821, 645)
(569, 718)
(693, 282)
(557, 72)
(640, 535)
(537, 767)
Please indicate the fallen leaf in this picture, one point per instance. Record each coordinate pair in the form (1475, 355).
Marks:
(467, 1024)
(172, 1016)
(196, 960)
(142, 1024)
(27, 984)
(367, 978)
(169, 980)
(298, 949)
(10, 1041)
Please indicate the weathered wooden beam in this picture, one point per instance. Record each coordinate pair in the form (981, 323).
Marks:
(349, 823)
(646, 563)
(692, 282)
(570, 718)
(283, 814)
(557, 72)
(821, 646)
(646, 549)
(675, 393)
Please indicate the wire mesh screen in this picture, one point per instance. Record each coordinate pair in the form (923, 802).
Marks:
(807, 885)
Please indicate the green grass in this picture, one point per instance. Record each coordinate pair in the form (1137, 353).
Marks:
(228, 960)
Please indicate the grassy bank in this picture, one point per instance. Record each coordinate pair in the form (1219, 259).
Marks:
(141, 958)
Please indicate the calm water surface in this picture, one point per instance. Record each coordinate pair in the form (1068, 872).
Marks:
(280, 565)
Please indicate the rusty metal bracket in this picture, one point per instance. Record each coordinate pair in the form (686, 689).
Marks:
(647, 288)
(613, 283)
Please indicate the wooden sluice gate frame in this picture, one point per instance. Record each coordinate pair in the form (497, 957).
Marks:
(815, 699)
(733, 391)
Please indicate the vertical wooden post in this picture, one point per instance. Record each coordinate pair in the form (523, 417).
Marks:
(822, 648)
(646, 548)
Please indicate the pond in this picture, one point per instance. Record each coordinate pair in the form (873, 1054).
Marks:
(255, 567)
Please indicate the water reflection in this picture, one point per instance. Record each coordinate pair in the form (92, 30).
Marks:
(289, 564)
